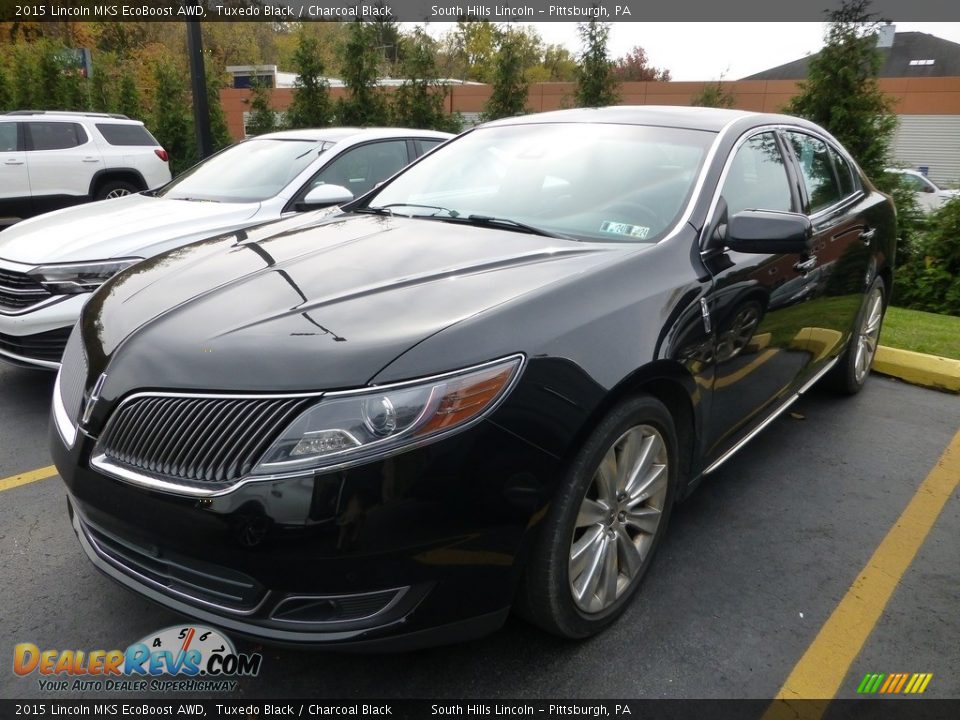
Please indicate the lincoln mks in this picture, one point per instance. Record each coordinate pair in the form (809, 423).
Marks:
(481, 386)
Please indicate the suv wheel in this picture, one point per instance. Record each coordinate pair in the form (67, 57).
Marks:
(115, 189)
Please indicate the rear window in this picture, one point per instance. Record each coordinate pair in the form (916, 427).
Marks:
(126, 134)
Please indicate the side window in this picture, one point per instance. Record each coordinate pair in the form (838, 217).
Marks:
(757, 179)
(8, 137)
(55, 135)
(817, 171)
(428, 145)
(361, 168)
(844, 173)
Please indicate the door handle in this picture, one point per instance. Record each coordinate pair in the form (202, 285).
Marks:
(13, 162)
(867, 235)
(91, 159)
(805, 266)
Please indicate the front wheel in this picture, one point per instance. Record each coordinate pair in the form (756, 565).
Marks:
(606, 522)
(850, 373)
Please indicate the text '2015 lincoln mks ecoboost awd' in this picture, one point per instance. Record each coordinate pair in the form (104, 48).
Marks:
(481, 386)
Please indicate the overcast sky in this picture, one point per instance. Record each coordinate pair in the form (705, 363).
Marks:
(702, 51)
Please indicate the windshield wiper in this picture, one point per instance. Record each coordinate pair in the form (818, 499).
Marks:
(508, 223)
(386, 209)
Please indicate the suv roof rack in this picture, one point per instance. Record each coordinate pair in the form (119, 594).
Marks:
(73, 113)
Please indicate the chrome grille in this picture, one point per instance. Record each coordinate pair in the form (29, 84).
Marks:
(19, 290)
(191, 440)
(46, 346)
(73, 376)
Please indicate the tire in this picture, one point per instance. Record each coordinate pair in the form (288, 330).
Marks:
(569, 588)
(851, 371)
(115, 188)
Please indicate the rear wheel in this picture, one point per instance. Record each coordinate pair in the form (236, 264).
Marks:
(115, 189)
(606, 522)
(851, 371)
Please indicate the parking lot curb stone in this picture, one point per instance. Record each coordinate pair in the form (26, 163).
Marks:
(918, 369)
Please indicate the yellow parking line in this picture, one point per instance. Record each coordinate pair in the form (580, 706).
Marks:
(825, 664)
(28, 477)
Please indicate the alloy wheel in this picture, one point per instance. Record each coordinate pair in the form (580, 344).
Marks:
(869, 334)
(119, 192)
(618, 519)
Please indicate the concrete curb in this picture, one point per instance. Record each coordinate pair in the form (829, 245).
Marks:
(918, 369)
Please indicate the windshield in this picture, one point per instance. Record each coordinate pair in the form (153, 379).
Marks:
(250, 171)
(595, 182)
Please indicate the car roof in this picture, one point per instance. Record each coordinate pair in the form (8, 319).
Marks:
(693, 118)
(338, 134)
(71, 115)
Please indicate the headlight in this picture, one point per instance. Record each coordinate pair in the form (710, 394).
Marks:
(354, 426)
(73, 278)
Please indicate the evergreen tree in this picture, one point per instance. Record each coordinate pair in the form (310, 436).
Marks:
(509, 95)
(171, 122)
(219, 133)
(74, 91)
(263, 119)
(419, 102)
(25, 80)
(596, 84)
(365, 104)
(841, 92)
(6, 92)
(128, 101)
(49, 95)
(101, 99)
(311, 106)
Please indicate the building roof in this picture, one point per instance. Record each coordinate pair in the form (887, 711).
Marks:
(908, 57)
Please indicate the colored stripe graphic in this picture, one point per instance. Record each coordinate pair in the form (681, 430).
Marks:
(894, 683)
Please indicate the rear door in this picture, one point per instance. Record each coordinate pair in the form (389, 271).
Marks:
(14, 177)
(835, 201)
(62, 159)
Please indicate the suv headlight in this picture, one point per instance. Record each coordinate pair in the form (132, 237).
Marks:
(358, 426)
(73, 278)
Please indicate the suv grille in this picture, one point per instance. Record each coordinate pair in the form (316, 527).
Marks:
(205, 441)
(184, 576)
(47, 346)
(19, 290)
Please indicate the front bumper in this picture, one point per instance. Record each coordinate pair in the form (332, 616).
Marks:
(36, 337)
(419, 549)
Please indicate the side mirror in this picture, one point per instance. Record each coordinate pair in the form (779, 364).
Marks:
(765, 231)
(324, 195)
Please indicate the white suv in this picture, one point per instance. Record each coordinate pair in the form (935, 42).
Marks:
(53, 159)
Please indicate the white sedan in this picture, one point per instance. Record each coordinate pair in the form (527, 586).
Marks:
(50, 264)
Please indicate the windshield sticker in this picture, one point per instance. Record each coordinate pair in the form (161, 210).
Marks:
(616, 228)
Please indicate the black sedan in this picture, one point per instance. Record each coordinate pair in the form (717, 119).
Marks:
(481, 386)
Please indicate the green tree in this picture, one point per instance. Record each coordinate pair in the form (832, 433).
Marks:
(419, 102)
(510, 87)
(929, 278)
(311, 106)
(6, 92)
(219, 133)
(128, 99)
(49, 94)
(596, 84)
(101, 99)
(171, 122)
(841, 92)
(263, 119)
(74, 91)
(25, 78)
(472, 50)
(365, 103)
(714, 94)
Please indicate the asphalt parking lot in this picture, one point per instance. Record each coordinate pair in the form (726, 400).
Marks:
(754, 565)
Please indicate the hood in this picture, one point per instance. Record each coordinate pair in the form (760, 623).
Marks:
(313, 308)
(130, 226)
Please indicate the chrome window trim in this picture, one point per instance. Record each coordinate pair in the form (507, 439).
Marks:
(858, 191)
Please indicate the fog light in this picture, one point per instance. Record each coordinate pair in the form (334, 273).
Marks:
(325, 441)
